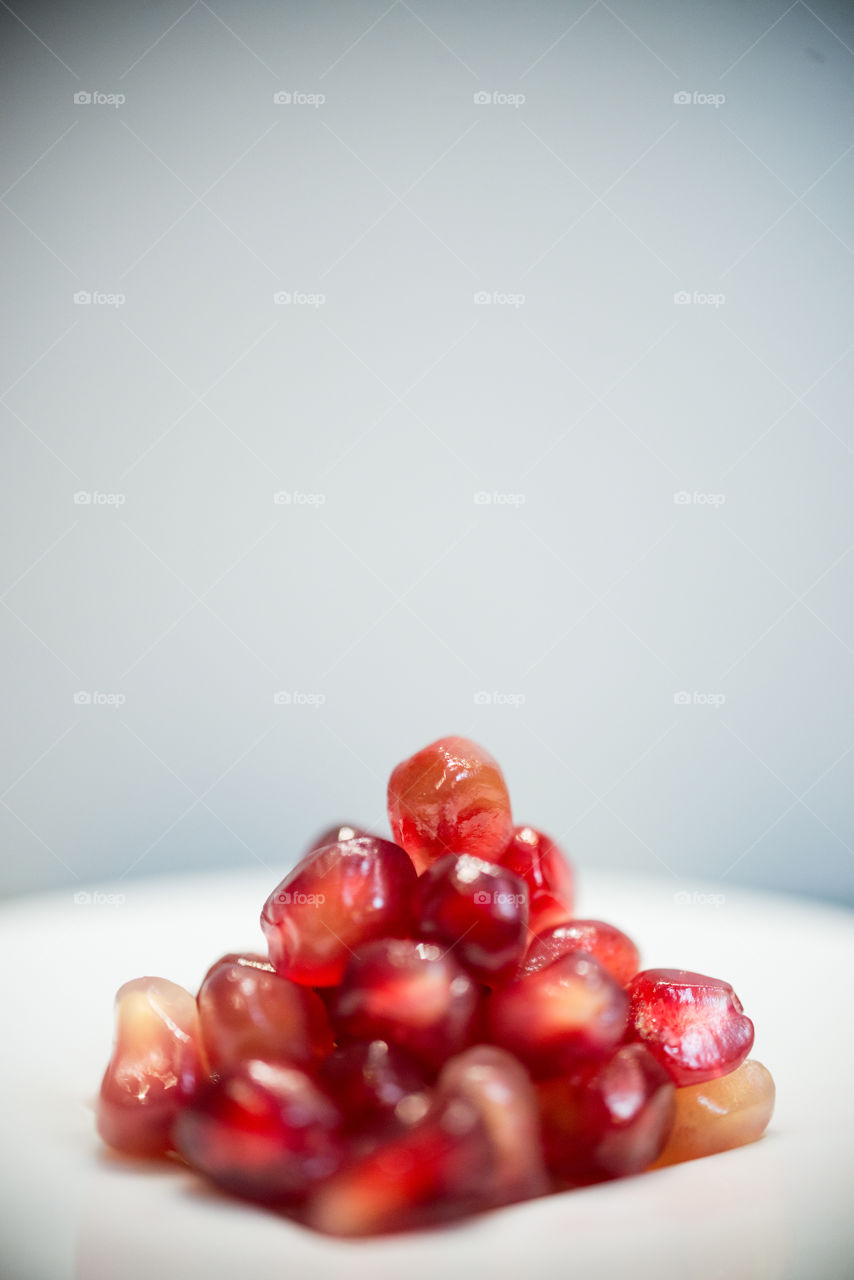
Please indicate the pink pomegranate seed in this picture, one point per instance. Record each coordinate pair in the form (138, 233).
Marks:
(370, 1079)
(450, 798)
(692, 1024)
(478, 909)
(547, 873)
(433, 1171)
(335, 899)
(157, 1064)
(410, 994)
(610, 1123)
(500, 1089)
(728, 1112)
(247, 1010)
(556, 1018)
(614, 950)
(262, 1131)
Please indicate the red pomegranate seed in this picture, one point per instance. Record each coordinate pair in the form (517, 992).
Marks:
(337, 835)
(370, 1079)
(410, 994)
(450, 798)
(337, 898)
(611, 1123)
(614, 950)
(547, 873)
(247, 1010)
(434, 1171)
(728, 1112)
(262, 1131)
(478, 909)
(556, 1018)
(500, 1089)
(692, 1024)
(157, 1064)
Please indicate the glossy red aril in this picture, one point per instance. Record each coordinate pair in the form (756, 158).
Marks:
(692, 1024)
(500, 1089)
(556, 1018)
(337, 835)
(411, 994)
(262, 1131)
(611, 1123)
(247, 1010)
(728, 1112)
(157, 1063)
(478, 909)
(545, 869)
(334, 900)
(433, 1171)
(370, 1079)
(450, 798)
(614, 950)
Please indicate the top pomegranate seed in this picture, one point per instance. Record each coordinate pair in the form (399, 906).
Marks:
(614, 950)
(157, 1064)
(693, 1025)
(450, 798)
(335, 899)
(547, 873)
(478, 909)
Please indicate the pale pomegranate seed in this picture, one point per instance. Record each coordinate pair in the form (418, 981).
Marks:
(450, 798)
(335, 899)
(156, 1065)
(694, 1025)
(730, 1111)
(614, 950)
(478, 909)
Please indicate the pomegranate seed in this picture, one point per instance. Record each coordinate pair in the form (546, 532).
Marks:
(335, 899)
(727, 1112)
(370, 1080)
(411, 995)
(613, 949)
(434, 1171)
(450, 798)
(157, 1063)
(610, 1123)
(694, 1025)
(547, 873)
(263, 1131)
(478, 909)
(337, 835)
(553, 1019)
(499, 1088)
(247, 1010)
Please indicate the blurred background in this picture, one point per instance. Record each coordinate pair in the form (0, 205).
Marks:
(376, 371)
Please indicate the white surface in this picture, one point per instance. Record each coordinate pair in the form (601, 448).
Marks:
(778, 1209)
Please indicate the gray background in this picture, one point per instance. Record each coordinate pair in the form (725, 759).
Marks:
(555, 622)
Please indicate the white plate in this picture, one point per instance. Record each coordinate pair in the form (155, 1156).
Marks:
(779, 1208)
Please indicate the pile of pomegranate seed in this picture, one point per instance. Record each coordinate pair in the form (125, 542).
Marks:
(434, 1032)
